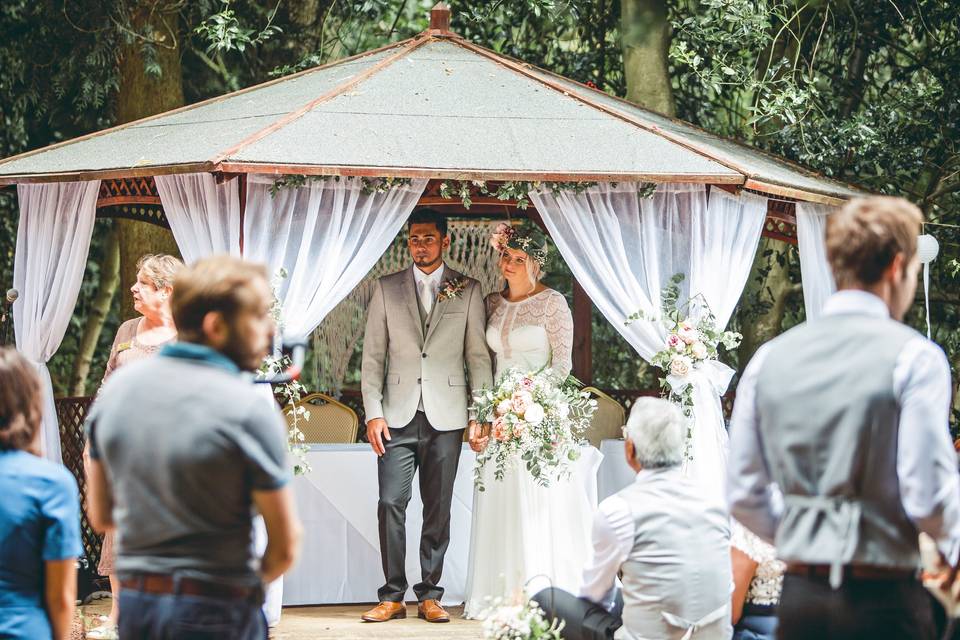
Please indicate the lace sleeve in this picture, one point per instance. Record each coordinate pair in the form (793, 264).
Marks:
(558, 321)
(492, 301)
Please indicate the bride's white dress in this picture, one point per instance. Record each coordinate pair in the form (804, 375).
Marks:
(522, 531)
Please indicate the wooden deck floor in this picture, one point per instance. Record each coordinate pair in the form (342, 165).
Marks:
(343, 622)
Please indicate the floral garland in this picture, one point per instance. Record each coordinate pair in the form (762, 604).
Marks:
(290, 392)
(368, 186)
(689, 344)
(507, 236)
(518, 190)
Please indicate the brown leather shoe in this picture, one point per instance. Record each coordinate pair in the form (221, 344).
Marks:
(385, 611)
(431, 611)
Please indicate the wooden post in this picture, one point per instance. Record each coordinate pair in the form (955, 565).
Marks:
(582, 335)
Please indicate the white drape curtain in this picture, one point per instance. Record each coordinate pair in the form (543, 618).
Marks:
(326, 234)
(623, 249)
(53, 239)
(815, 275)
(204, 216)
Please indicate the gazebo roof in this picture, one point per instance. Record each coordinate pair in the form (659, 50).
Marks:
(434, 106)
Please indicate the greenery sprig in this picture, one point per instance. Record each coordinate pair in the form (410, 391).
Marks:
(368, 186)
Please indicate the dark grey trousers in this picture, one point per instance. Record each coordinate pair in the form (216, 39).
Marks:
(583, 620)
(436, 454)
(858, 610)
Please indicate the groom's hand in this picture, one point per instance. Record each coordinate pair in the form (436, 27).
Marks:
(377, 431)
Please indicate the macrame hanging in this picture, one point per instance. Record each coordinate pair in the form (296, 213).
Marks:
(335, 340)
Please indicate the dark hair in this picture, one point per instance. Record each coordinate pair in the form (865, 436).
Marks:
(220, 283)
(865, 235)
(21, 403)
(428, 216)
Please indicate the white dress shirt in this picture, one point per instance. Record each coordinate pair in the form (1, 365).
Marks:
(926, 460)
(428, 284)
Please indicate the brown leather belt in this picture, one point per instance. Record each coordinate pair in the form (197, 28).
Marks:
(161, 583)
(852, 572)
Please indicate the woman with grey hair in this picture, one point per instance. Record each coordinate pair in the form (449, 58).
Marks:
(136, 339)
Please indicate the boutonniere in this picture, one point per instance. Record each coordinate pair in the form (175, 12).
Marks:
(450, 289)
(123, 346)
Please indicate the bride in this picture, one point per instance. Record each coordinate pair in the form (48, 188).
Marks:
(523, 532)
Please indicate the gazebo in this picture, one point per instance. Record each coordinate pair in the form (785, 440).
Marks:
(321, 169)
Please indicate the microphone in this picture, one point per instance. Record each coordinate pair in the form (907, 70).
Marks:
(12, 295)
(296, 348)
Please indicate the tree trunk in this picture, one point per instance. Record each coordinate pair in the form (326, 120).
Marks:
(140, 95)
(765, 299)
(645, 37)
(109, 279)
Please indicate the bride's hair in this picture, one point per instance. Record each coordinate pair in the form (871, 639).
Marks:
(534, 271)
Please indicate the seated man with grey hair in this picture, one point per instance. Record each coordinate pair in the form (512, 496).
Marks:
(665, 537)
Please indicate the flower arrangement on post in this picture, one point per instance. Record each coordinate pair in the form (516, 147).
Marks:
(690, 344)
(520, 622)
(290, 392)
(536, 417)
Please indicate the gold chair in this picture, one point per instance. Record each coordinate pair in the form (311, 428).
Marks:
(607, 420)
(330, 421)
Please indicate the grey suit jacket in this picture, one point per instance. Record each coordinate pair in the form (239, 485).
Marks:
(443, 364)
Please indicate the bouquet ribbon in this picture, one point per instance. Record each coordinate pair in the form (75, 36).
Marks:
(711, 374)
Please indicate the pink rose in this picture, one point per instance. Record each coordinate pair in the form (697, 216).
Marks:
(688, 334)
(499, 430)
(521, 400)
(699, 350)
(674, 342)
(504, 407)
(519, 428)
(526, 384)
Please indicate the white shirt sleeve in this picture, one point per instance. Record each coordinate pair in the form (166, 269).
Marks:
(926, 460)
(613, 532)
(750, 493)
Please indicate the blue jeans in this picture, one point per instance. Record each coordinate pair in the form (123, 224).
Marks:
(149, 616)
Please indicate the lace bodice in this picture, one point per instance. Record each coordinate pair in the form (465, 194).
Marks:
(768, 579)
(531, 333)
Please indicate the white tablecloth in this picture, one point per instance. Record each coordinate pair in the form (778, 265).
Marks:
(337, 503)
(614, 474)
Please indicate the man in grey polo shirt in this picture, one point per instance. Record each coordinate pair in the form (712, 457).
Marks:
(182, 453)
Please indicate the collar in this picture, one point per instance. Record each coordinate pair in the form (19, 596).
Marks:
(855, 301)
(432, 278)
(648, 474)
(199, 353)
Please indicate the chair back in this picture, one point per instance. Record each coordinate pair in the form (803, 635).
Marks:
(329, 421)
(607, 421)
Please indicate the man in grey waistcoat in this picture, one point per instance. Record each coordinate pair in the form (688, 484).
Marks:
(840, 453)
(424, 354)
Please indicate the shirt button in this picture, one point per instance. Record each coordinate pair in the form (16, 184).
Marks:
(423, 355)
(418, 380)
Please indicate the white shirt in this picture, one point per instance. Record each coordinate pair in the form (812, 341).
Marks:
(926, 460)
(613, 536)
(429, 282)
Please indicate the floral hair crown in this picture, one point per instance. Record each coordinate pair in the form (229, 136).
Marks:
(506, 237)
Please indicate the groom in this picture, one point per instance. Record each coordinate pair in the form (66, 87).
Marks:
(424, 350)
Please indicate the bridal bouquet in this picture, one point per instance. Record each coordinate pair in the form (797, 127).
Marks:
(537, 417)
(691, 346)
(520, 622)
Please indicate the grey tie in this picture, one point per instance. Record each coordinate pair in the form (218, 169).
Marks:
(426, 296)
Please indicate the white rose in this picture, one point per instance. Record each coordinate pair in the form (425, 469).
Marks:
(534, 414)
(680, 366)
(504, 407)
(699, 350)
